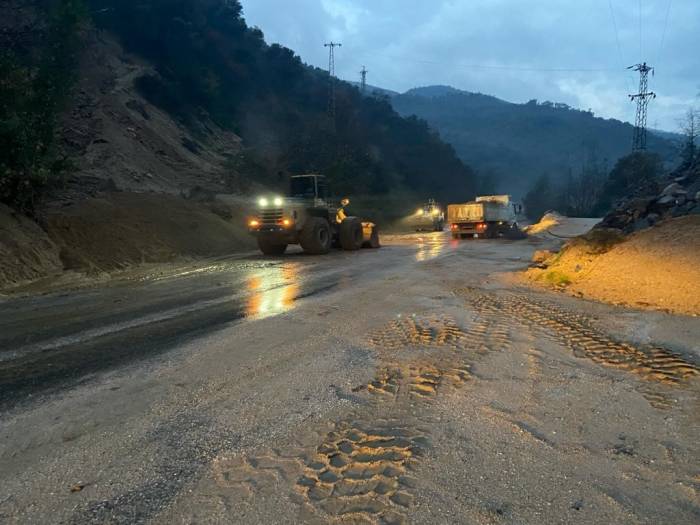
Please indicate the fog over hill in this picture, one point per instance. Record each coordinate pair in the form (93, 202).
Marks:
(510, 144)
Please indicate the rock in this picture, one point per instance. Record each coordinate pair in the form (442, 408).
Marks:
(638, 205)
(541, 256)
(667, 200)
(653, 218)
(641, 224)
(673, 189)
(697, 197)
(695, 211)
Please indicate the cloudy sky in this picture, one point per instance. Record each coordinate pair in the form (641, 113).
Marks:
(559, 50)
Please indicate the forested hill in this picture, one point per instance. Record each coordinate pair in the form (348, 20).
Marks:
(208, 60)
(514, 144)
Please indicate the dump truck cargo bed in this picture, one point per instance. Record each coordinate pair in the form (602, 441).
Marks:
(485, 211)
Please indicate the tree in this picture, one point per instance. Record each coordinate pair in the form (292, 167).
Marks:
(690, 128)
(636, 175)
(36, 73)
(540, 199)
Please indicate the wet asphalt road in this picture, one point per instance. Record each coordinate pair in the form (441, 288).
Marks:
(53, 342)
(414, 384)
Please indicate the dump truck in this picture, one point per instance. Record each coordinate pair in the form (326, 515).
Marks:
(428, 217)
(307, 216)
(488, 217)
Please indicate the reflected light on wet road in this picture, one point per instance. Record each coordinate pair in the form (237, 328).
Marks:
(272, 290)
(430, 247)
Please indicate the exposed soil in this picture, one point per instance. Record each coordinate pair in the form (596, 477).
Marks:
(115, 231)
(657, 268)
(26, 251)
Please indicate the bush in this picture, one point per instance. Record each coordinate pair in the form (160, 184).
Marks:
(36, 75)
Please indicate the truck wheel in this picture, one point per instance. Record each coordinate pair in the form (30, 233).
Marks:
(351, 235)
(373, 240)
(269, 247)
(315, 237)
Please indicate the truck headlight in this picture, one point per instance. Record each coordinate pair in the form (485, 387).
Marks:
(279, 201)
(263, 202)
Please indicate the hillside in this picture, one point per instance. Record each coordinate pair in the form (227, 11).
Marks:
(513, 144)
(158, 123)
(207, 61)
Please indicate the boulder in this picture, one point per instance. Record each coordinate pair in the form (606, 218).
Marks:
(667, 200)
(641, 224)
(673, 189)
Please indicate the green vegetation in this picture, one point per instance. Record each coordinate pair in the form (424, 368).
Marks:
(557, 278)
(516, 143)
(36, 74)
(592, 192)
(209, 61)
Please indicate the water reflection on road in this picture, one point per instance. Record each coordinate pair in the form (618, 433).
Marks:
(272, 290)
(430, 246)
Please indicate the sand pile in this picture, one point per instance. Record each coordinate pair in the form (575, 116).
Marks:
(550, 220)
(657, 268)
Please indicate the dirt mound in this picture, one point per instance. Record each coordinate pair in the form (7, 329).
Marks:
(121, 229)
(27, 252)
(547, 222)
(657, 268)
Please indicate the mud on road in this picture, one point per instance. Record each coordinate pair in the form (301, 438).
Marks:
(410, 385)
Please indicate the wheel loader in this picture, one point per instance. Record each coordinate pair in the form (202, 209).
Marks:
(429, 217)
(306, 216)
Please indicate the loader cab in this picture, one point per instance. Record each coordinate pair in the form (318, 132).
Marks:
(309, 187)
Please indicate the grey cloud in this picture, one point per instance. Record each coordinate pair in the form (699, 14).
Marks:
(407, 43)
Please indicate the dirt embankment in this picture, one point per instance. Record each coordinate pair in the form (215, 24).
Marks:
(115, 231)
(657, 268)
(26, 251)
(124, 204)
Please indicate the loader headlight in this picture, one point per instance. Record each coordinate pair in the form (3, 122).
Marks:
(263, 202)
(436, 212)
(419, 211)
(279, 201)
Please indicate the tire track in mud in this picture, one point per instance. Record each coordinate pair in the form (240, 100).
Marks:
(576, 332)
(362, 469)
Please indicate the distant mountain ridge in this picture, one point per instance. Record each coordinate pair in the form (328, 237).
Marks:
(512, 144)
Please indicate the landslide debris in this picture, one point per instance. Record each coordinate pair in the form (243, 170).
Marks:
(656, 268)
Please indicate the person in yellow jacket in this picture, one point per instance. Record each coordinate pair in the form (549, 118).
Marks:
(340, 215)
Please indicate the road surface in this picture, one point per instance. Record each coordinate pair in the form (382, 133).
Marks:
(411, 384)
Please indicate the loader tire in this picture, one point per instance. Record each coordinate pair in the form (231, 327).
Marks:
(315, 237)
(351, 235)
(373, 241)
(270, 247)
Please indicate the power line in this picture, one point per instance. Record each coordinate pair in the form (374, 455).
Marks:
(663, 34)
(617, 41)
(499, 67)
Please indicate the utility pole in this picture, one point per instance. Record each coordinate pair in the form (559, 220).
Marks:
(331, 79)
(642, 98)
(363, 81)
